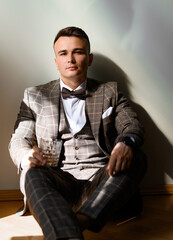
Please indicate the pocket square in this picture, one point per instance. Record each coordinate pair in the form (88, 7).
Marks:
(107, 112)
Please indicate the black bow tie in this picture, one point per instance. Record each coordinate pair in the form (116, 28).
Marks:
(78, 93)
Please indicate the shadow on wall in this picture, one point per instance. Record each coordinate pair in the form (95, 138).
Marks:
(157, 147)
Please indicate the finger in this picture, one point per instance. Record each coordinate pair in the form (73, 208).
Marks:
(34, 161)
(118, 165)
(108, 169)
(36, 149)
(111, 166)
(38, 156)
(123, 165)
(33, 165)
(112, 171)
(126, 163)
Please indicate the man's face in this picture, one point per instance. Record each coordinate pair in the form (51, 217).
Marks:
(72, 58)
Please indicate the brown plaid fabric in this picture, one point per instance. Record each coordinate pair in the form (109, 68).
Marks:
(55, 195)
(39, 114)
(39, 118)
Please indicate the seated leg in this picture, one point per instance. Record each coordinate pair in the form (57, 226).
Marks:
(112, 193)
(54, 214)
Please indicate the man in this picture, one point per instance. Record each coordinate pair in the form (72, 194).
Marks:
(100, 164)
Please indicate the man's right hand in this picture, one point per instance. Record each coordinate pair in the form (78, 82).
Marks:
(33, 159)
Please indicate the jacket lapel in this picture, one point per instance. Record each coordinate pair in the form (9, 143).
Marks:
(51, 110)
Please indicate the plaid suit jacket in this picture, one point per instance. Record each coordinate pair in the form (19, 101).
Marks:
(39, 114)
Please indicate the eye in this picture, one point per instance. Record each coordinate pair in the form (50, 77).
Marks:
(79, 52)
(63, 54)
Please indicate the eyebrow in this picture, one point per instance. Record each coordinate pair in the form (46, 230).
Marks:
(75, 49)
(61, 51)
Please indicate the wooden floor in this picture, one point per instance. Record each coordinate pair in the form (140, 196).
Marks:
(156, 223)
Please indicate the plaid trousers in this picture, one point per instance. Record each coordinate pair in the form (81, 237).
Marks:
(55, 196)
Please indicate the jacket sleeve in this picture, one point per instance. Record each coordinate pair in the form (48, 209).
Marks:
(23, 138)
(126, 121)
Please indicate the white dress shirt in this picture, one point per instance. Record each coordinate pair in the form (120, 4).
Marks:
(74, 109)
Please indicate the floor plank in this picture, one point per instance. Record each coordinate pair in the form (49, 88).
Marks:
(155, 223)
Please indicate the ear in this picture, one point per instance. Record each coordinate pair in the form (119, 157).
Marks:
(90, 59)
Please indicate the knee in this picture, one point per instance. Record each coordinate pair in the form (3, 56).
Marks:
(26, 175)
(35, 172)
(32, 177)
(29, 174)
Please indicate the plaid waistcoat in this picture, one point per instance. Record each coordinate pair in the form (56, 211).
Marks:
(80, 150)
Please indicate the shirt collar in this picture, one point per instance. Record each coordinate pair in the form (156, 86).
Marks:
(82, 85)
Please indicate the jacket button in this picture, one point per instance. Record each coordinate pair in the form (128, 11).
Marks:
(76, 148)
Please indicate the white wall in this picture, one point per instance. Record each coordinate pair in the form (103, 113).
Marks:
(132, 40)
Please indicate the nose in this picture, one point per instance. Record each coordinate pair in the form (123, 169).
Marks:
(71, 58)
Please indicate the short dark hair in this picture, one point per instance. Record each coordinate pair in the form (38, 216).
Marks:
(72, 32)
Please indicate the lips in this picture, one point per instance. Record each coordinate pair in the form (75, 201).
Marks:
(72, 68)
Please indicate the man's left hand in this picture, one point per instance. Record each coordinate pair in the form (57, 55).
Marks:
(120, 159)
